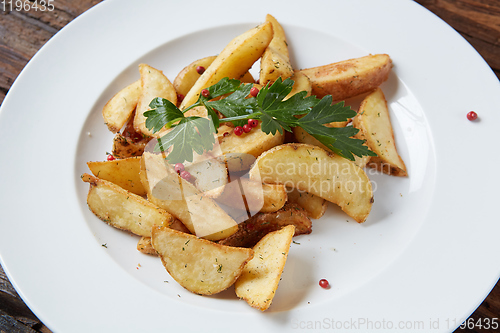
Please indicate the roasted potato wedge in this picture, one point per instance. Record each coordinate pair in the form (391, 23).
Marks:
(275, 61)
(265, 198)
(252, 230)
(124, 147)
(302, 136)
(129, 143)
(210, 176)
(123, 209)
(300, 83)
(236, 59)
(374, 122)
(349, 78)
(241, 151)
(154, 84)
(314, 170)
(187, 77)
(259, 281)
(144, 246)
(121, 106)
(166, 189)
(315, 206)
(199, 265)
(122, 172)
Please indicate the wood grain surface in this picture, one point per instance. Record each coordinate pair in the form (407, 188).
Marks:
(23, 33)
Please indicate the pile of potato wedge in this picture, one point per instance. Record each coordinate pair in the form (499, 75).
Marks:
(204, 245)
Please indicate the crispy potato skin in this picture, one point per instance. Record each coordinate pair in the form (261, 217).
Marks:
(188, 76)
(300, 83)
(268, 197)
(234, 60)
(349, 78)
(314, 170)
(129, 143)
(314, 206)
(121, 106)
(242, 150)
(374, 123)
(275, 61)
(302, 136)
(154, 84)
(167, 190)
(259, 225)
(259, 281)
(201, 266)
(144, 246)
(123, 209)
(122, 172)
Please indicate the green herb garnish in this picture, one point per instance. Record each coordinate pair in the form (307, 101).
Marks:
(269, 106)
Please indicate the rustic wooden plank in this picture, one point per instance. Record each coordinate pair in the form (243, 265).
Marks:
(22, 37)
(10, 325)
(15, 316)
(478, 21)
(23, 33)
(12, 63)
(5, 285)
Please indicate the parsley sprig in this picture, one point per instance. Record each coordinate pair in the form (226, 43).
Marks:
(277, 114)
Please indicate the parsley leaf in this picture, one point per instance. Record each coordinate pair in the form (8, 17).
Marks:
(339, 140)
(190, 134)
(276, 113)
(162, 113)
(236, 104)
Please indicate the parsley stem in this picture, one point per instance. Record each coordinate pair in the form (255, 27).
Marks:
(171, 123)
(198, 103)
(254, 115)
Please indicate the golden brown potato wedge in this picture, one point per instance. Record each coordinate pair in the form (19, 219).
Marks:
(375, 127)
(123, 209)
(315, 206)
(301, 83)
(304, 137)
(124, 147)
(275, 61)
(265, 198)
(166, 189)
(349, 78)
(129, 143)
(259, 281)
(210, 176)
(122, 172)
(201, 266)
(241, 151)
(144, 246)
(154, 84)
(252, 230)
(121, 106)
(314, 170)
(187, 77)
(247, 78)
(236, 59)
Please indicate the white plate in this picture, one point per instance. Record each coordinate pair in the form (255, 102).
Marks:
(425, 259)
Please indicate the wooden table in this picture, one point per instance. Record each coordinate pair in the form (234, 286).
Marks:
(23, 33)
